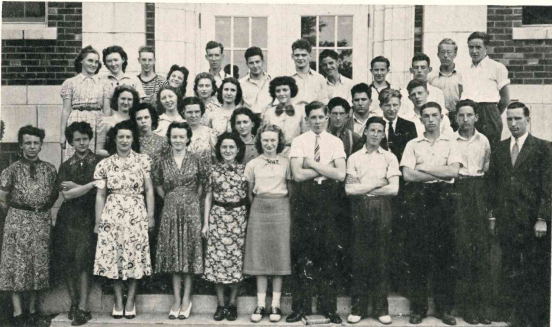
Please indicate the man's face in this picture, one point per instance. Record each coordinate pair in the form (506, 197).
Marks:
(418, 96)
(420, 69)
(374, 134)
(379, 71)
(361, 103)
(330, 66)
(31, 146)
(255, 64)
(214, 57)
(446, 54)
(147, 61)
(466, 118)
(477, 50)
(338, 116)
(317, 120)
(301, 57)
(517, 122)
(391, 108)
(431, 118)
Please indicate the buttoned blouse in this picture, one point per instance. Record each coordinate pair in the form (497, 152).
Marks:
(442, 152)
(482, 82)
(85, 91)
(130, 80)
(366, 166)
(340, 89)
(269, 175)
(126, 177)
(256, 94)
(476, 153)
(331, 147)
(292, 126)
(312, 87)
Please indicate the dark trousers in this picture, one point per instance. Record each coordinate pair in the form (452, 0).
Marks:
(398, 268)
(371, 239)
(472, 246)
(430, 246)
(490, 122)
(315, 246)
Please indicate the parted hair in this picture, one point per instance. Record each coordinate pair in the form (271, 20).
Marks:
(315, 105)
(518, 105)
(386, 95)
(239, 93)
(176, 91)
(414, 84)
(78, 126)
(480, 35)
(184, 72)
(188, 101)
(421, 57)
(466, 103)
(430, 104)
(128, 125)
(145, 106)
(247, 112)
(380, 59)
(270, 128)
(82, 54)
(183, 125)
(239, 144)
(114, 102)
(208, 76)
(116, 49)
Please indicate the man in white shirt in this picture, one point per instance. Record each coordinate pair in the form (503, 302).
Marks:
(255, 85)
(312, 86)
(362, 97)
(338, 85)
(214, 53)
(379, 67)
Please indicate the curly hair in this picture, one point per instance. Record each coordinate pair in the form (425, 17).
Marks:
(239, 93)
(128, 125)
(239, 144)
(30, 130)
(255, 120)
(270, 128)
(182, 125)
(184, 72)
(82, 54)
(208, 76)
(114, 102)
(280, 81)
(160, 106)
(145, 106)
(387, 94)
(188, 101)
(78, 126)
(116, 49)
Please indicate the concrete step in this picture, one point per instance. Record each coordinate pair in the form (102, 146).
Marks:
(149, 319)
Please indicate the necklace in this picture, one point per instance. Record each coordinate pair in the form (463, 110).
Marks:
(145, 141)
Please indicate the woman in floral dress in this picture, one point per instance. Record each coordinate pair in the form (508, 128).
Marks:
(225, 222)
(146, 120)
(178, 180)
(123, 217)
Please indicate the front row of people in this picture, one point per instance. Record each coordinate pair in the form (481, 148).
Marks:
(447, 217)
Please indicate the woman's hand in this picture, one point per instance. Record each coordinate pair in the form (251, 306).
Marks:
(96, 228)
(205, 231)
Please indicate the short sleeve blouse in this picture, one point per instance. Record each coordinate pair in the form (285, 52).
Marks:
(269, 175)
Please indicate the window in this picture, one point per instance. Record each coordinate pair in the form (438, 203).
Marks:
(10, 154)
(237, 34)
(23, 12)
(536, 15)
(330, 32)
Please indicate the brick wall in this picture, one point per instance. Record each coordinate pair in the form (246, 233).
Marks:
(418, 29)
(150, 24)
(528, 61)
(45, 62)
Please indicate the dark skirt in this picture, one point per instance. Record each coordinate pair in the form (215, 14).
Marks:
(267, 243)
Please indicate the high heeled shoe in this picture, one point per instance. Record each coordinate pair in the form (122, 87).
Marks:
(174, 314)
(117, 314)
(131, 314)
(185, 314)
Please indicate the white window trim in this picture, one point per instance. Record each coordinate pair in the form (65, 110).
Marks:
(532, 32)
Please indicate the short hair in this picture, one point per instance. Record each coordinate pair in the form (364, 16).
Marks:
(466, 103)
(146, 48)
(116, 49)
(160, 106)
(328, 53)
(245, 111)
(380, 59)
(430, 104)
(145, 106)
(421, 57)
(184, 72)
(480, 35)
(270, 128)
(214, 44)
(377, 120)
(114, 102)
(253, 51)
(361, 88)
(338, 101)
(314, 106)
(183, 125)
(78, 126)
(129, 125)
(449, 42)
(30, 130)
(82, 54)
(386, 95)
(414, 84)
(188, 101)
(239, 143)
(208, 76)
(239, 93)
(303, 44)
(280, 81)
(518, 105)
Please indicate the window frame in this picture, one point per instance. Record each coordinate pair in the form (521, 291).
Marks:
(22, 21)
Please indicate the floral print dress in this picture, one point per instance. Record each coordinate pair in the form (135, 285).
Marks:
(123, 251)
(227, 225)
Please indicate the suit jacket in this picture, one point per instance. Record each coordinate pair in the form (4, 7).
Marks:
(404, 131)
(519, 195)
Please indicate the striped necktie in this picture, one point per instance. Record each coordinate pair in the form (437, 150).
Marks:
(317, 149)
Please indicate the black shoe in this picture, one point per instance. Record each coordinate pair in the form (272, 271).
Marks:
(447, 318)
(232, 312)
(72, 311)
(295, 316)
(416, 318)
(80, 318)
(471, 319)
(334, 318)
(220, 314)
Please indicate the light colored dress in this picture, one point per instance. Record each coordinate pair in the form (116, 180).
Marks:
(164, 122)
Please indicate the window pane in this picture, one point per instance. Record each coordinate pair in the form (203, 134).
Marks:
(241, 32)
(11, 9)
(345, 31)
(239, 61)
(327, 31)
(259, 32)
(308, 29)
(346, 63)
(35, 9)
(222, 30)
(536, 15)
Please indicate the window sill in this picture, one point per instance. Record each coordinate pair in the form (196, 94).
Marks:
(28, 32)
(542, 32)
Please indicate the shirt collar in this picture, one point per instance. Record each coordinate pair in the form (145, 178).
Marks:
(441, 137)
(481, 63)
(449, 75)
(521, 140)
(394, 121)
(81, 78)
(339, 81)
(251, 80)
(110, 75)
(475, 136)
(385, 88)
(380, 150)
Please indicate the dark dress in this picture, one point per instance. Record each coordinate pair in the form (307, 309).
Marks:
(73, 236)
(25, 261)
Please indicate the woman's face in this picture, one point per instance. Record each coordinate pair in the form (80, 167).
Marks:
(204, 88)
(90, 63)
(229, 91)
(283, 94)
(143, 121)
(125, 102)
(179, 138)
(269, 142)
(169, 100)
(244, 125)
(176, 79)
(124, 140)
(114, 62)
(192, 114)
(228, 150)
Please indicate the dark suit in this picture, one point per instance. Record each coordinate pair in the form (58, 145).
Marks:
(405, 131)
(519, 196)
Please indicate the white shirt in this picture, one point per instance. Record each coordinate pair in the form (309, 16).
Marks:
(366, 166)
(520, 141)
(256, 94)
(476, 153)
(219, 77)
(312, 87)
(394, 123)
(331, 147)
(420, 128)
(482, 82)
(341, 89)
(435, 95)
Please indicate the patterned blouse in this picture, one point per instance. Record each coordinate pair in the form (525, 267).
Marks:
(155, 147)
(227, 182)
(126, 177)
(85, 91)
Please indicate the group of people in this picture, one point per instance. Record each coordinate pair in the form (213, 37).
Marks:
(281, 176)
